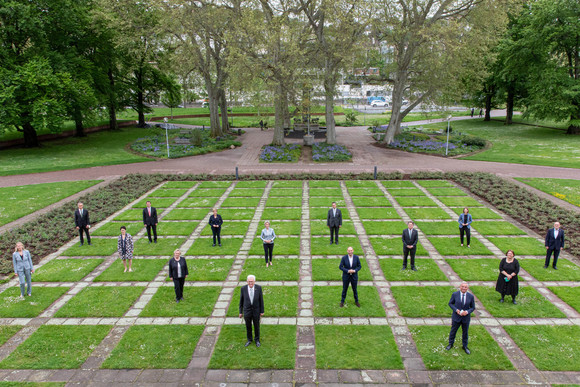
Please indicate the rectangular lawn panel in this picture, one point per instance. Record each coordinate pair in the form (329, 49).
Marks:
(360, 184)
(179, 184)
(438, 228)
(283, 269)
(214, 184)
(240, 202)
(567, 271)
(208, 269)
(101, 301)
(198, 203)
(175, 228)
(12, 306)
(375, 213)
(318, 201)
(252, 184)
(446, 192)
(278, 350)
(423, 301)
(319, 227)
(98, 247)
(371, 201)
(322, 213)
(324, 184)
(331, 194)
(285, 192)
(322, 246)
(204, 246)
(155, 202)
(163, 346)
(427, 270)
(114, 228)
(361, 347)
(550, 348)
(287, 184)
(530, 303)
(187, 214)
(53, 347)
(478, 213)
(279, 301)
(292, 201)
(459, 201)
(327, 302)
(419, 201)
(393, 246)
(207, 193)
(485, 352)
(7, 331)
(282, 246)
(65, 270)
(164, 246)
(484, 269)
(427, 213)
(143, 270)
(397, 184)
(284, 228)
(197, 302)
(281, 213)
(168, 192)
(246, 192)
(521, 246)
(132, 214)
(497, 228)
(406, 192)
(366, 192)
(570, 295)
(327, 270)
(229, 228)
(452, 246)
(236, 214)
(434, 183)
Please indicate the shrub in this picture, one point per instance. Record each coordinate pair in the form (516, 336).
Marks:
(350, 117)
(412, 136)
(280, 154)
(197, 137)
(322, 152)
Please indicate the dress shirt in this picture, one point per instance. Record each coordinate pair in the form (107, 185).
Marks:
(350, 258)
(251, 290)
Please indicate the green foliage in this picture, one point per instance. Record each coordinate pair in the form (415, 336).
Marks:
(42, 298)
(351, 117)
(423, 301)
(163, 302)
(65, 270)
(101, 302)
(565, 189)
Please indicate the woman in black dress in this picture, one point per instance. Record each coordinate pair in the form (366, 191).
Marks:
(507, 281)
(215, 222)
(178, 272)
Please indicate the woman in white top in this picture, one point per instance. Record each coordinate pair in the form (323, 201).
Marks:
(268, 235)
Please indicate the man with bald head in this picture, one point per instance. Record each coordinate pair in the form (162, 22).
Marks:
(350, 266)
(252, 308)
(554, 243)
(462, 304)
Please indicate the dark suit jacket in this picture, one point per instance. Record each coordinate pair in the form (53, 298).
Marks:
(455, 304)
(150, 220)
(82, 221)
(412, 240)
(173, 268)
(215, 221)
(334, 221)
(246, 307)
(555, 243)
(345, 267)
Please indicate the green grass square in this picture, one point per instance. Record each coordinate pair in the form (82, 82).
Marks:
(376, 213)
(283, 269)
(204, 246)
(330, 194)
(278, 350)
(287, 184)
(550, 348)
(179, 184)
(570, 295)
(319, 227)
(292, 201)
(452, 246)
(484, 269)
(360, 184)
(497, 228)
(208, 269)
(12, 306)
(319, 201)
(427, 213)
(521, 246)
(98, 247)
(371, 201)
(322, 213)
(53, 347)
(406, 192)
(446, 191)
(229, 228)
(427, 270)
(132, 214)
(423, 301)
(65, 270)
(197, 302)
(236, 214)
(101, 301)
(327, 302)
(282, 246)
(7, 331)
(530, 303)
(397, 184)
(366, 192)
(393, 246)
(434, 183)
(161, 346)
(281, 213)
(328, 270)
(412, 201)
(485, 352)
(143, 270)
(361, 347)
(284, 228)
(285, 192)
(322, 246)
(439, 228)
(252, 184)
(478, 213)
(324, 184)
(246, 193)
(279, 301)
(169, 192)
(114, 228)
(187, 214)
(214, 184)
(175, 228)
(459, 201)
(207, 192)
(155, 202)
(206, 203)
(164, 246)
(567, 271)
(241, 202)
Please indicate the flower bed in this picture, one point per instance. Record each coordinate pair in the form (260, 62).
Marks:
(289, 153)
(420, 142)
(323, 152)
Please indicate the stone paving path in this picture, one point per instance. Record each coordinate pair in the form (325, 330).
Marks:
(305, 372)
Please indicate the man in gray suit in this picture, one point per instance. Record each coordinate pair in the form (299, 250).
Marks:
(334, 221)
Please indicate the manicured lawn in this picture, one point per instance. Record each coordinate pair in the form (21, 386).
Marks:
(374, 213)
(398, 184)
(371, 201)
(12, 306)
(98, 247)
(214, 184)
(65, 270)
(133, 214)
(521, 246)
(530, 303)
(485, 352)
(114, 228)
(204, 246)
(283, 269)
(175, 228)
(207, 192)
(286, 191)
(278, 350)
(7, 331)
(279, 301)
(182, 184)
(434, 183)
(102, 301)
(426, 213)
(427, 270)
(241, 202)
(235, 214)
(287, 184)
(229, 228)
(252, 184)
(197, 302)
(384, 228)
(497, 228)
(366, 192)
(423, 301)
(327, 302)
(206, 203)
(360, 184)
(322, 246)
(459, 201)
(322, 213)
(478, 213)
(246, 193)
(412, 201)
(319, 227)
(281, 213)
(293, 201)
(282, 246)
(208, 269)
(25, 199)
(393, 246)
(188, 214)
(550, 348)
(439, 228)
(284, 228)
(446, 191)
(316, 201)
(330, 194)
(570, 295)
(484, 269)
(52, 347)
(164, 246)
(143, 270)
(163, 346)
(565, 189)
(406, 192)
(168, 193)
(452, 246)
(567, 271)
(361, 347)
(323, 183)
(327, 270)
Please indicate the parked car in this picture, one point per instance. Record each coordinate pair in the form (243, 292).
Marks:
(377, 103)
(204, 104)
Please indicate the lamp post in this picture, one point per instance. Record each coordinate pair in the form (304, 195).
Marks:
(447, 145)
(166, 134)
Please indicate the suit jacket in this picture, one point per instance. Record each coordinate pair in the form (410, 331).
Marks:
(555, 243)
(150, 220)
(334, 221)
(22, 263)
(82, 221)
(246, 307)
(455, 304)
(345, 267)
(412, 240)
(465, 219)
(215, 221)
(173, 268)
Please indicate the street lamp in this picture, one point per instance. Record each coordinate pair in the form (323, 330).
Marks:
(447, 145)
(166, 134)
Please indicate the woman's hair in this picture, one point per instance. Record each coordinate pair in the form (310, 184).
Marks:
(176, 250)
(18, 243)
(465, 208)
(214, 209)
(267, 222)
(506, 253)
(123, 228)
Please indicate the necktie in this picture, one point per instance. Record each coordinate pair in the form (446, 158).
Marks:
(149, 211)
(252, 296)
(410, 233)
(463, 299)
(81, 212)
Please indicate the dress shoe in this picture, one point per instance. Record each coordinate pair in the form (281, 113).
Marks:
(331, 242)
(247, 343)
(501, 300)
(149, 242)
(404, 268)
(177, 301)
(448, 347)
(90, 244)
(219, 244)
(467, 351)
(342, 304)
(413, 268)
(258, 344)
(554, 267)
(336, 242)
(357, 304)
(545, 266)
(81, 243)
(155, 241)
(213, 245)
(468, 246)
(514, 302)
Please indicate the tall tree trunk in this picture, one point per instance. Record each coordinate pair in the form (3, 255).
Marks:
(286, 111)
(224, 110)
(113, 125)
(79, 127)
(30, 137)
(509, 106)
(329, 89)
(488, 98)
(213, 103)
(278, 116)
(397, 99)
(140, 98)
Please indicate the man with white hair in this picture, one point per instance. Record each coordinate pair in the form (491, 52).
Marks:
(252, 308)
(463, 304)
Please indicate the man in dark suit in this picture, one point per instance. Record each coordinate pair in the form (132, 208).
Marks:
(350, 266)
(334, 221)
(463, 304)
(554, 243)
(83, 223)
(150, 221)
(410, 239)
(252, 308)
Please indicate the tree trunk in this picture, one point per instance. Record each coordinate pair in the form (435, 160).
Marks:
(574, 128)
(113, 125)
(140, 98)
(224, 110)
(509, 106)
(79, 127)
(329, 88)
(286, 111)
(278, 139)
(397, 99)
(488, 98)
(30, 137)
(213, 103)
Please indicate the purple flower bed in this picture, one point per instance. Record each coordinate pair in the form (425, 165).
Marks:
(421, 145)
(280, 154)
(322, 152)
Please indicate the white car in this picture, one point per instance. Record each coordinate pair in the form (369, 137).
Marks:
(377, 103)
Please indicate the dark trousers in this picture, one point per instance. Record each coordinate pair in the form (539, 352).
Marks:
(216, 233)
(464, 328)
(86, 230)
(345, 283)
(154, 227)
(548, 255)
(178, 283)
(334, 234)
(268, 249)
(467, 232)
(406, 252)
(255, 319)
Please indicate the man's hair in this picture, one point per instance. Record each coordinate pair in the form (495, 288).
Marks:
(252, 277)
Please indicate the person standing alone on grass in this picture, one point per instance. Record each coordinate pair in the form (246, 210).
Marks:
(251, 307)
(125, 248)
(215, 222)
(350, 266)
(334, 222)
(465, 221)
(83, 223)
(462, 304)
(554, 243)
(22, 262)
(410, 239)
(150, 221)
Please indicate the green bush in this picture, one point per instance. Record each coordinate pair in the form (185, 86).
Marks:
(196, 137)
(408, 136)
